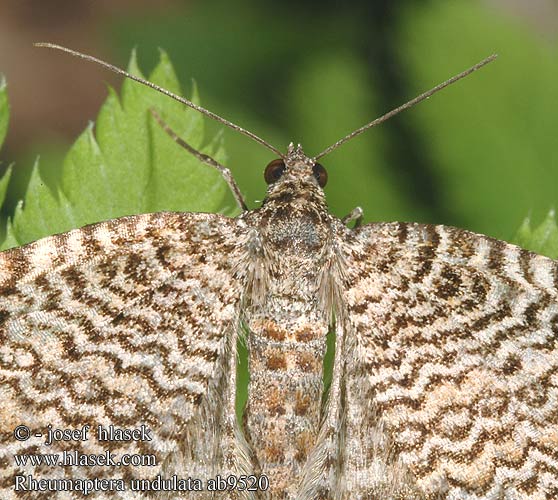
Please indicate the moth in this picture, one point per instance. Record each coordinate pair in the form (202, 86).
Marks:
(445, 371)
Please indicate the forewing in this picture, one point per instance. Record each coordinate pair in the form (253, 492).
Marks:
(451, 378)
(126, 323)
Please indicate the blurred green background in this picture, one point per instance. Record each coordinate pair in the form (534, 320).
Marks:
(480, 155)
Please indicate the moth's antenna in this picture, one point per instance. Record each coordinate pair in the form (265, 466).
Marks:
(178, 98)
(403, 107)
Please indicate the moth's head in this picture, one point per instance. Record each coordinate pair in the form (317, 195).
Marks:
(295, 172)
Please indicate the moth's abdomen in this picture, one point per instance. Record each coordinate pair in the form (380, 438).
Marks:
(284, 397)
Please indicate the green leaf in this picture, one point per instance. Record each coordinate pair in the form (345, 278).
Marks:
(126, 164)
(4, 110)
(4, 120)
(42, 213)
(10, 240)
(4, 184)
(542, 239)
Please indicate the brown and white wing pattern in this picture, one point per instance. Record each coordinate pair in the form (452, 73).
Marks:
(451, 372)
(126, 323)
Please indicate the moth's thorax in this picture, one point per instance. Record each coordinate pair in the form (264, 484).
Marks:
(300, 232)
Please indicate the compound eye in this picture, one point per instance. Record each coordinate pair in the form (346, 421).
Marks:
(320, 173)
(274, 171)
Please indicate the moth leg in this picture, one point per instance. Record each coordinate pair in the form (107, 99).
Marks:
(355, 215)
(225, 172)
